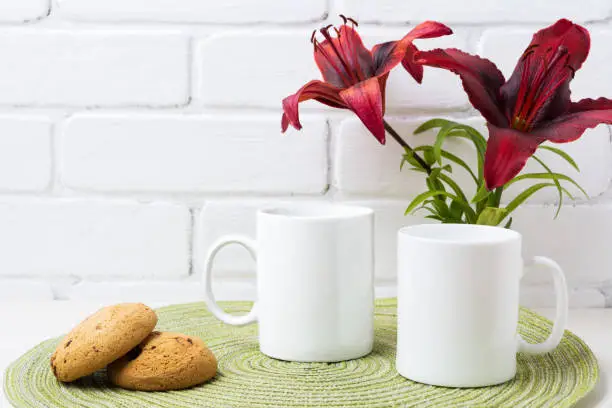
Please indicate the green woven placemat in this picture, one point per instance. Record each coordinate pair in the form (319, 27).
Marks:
(247, 378)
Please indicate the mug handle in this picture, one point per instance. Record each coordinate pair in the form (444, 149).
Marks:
(209, 297)
(558, 329)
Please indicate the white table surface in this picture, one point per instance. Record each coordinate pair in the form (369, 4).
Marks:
(26, 324)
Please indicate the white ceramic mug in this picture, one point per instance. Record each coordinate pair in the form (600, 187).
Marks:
(458, 304)
(315, 290)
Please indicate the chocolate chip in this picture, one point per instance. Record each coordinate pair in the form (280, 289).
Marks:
(67, 344)
(189, 340)
(64, 361)
(153, 347)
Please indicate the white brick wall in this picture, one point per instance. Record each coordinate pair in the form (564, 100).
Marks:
(93, 68)
(135, 132)
(265, 67)
(476, 11)
(193, 153)
(25, 153)
(23, 10)
(196, 11)
(93, 239)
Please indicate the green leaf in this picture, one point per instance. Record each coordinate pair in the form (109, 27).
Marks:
(425, 207)
(429, 157)
(492, 216)
(563, 155)
(549, 176)
(454, 129)
(430, 194)
(459, 161)
(481, 194)
(520, 199)
(453, 185)
(430, 124)
(419, 199)
(567, 193)
(434, 217)
(432, 180)
(508, 224)
(409, 157)
(456, 211)
(555, 180)
(442, 134)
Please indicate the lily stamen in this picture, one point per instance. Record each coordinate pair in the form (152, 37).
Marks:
(343, 60)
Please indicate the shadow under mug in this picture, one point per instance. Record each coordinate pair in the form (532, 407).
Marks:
(315, 285)
(458, 304)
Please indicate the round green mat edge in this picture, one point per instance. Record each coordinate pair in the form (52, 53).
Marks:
(385, 308)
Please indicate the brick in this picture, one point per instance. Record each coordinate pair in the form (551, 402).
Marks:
(25, 153)
(221, 217)
(93, 239)
(23, 10)
(577, 240)
(363, 167)
(194, 11)
(284, 64)
(193, 153)
(20, 290)
(94, 68)
(473, 11)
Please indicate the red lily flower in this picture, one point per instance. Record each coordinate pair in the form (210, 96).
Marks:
(354, 77)
(534, 104)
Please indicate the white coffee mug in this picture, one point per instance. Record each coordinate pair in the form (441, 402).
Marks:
(315, 290)
(458, 304)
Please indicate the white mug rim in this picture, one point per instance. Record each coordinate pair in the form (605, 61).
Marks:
(459, 234)
(315, 211)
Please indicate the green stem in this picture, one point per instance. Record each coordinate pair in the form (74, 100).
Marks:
(406, 146)
(498, 195)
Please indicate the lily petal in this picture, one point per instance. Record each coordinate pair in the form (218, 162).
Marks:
(387, 55)
(284, 123)
(321, 91)
(414, 69)
(565, 34)
(507, 152)
(538, 89)
(582, 115)
(480, 78)
(343, 60)
(366, 100)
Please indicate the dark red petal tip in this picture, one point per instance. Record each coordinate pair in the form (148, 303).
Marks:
(507, 152)
(318, 90)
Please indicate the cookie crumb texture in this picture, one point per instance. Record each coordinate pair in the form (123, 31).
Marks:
(164, 361)
(102, 338)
